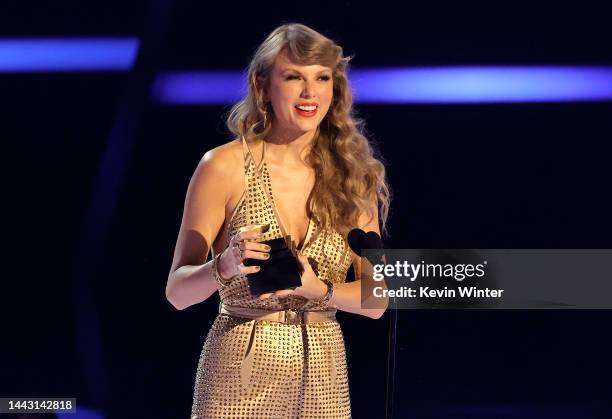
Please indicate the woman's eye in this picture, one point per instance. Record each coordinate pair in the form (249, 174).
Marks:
(325, 78)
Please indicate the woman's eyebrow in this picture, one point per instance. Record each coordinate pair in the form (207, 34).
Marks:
(297, 71)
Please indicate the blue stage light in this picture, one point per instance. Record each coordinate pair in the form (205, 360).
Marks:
(202, 87)
(27, 55)
(482, 84)
(81, 413)
(416, 85)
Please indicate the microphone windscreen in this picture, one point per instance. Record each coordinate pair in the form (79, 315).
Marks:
(372, 240)
(355, 240)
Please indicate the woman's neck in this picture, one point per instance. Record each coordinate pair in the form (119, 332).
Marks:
(287, 147)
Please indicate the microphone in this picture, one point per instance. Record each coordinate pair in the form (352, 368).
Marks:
(359, 240)
(354, 239)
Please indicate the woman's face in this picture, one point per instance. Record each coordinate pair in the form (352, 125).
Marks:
(300, 95)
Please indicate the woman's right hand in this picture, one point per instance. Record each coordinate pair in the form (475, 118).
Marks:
(242, 246)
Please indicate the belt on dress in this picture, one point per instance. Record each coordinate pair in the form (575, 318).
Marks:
(290, 316)
(281, 316)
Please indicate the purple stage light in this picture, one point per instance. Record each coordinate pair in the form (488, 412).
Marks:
(28, 55)
(415, 85)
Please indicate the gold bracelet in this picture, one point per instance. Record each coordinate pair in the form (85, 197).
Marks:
(215, 269)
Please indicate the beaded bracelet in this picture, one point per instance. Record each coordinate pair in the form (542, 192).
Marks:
(215, 269)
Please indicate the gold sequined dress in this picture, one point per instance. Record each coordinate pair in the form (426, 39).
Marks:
(293, 370)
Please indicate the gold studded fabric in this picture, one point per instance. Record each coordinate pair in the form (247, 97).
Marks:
(265, 369)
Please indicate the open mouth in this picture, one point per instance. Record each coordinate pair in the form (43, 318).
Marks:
(306, 110)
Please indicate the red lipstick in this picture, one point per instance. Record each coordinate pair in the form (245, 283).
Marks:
(308, 109)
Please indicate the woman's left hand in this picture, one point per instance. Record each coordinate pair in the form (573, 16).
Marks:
(312, 287)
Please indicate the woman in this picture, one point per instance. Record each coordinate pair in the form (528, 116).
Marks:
(299, 163)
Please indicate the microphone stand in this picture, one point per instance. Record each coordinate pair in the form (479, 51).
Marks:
(392, 340)
(359, 240)
(391, 359)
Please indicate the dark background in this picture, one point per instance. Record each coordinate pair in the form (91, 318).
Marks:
(95, 180)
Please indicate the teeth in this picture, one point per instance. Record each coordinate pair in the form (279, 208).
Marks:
(306, 108)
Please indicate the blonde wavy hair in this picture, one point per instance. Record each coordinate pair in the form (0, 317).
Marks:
(348, 175)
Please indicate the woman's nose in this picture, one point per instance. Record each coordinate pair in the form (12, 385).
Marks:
(307, 89)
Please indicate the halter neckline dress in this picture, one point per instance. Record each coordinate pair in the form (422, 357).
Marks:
(293, 370)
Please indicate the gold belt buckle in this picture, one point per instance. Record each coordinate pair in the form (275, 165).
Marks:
(293, 316)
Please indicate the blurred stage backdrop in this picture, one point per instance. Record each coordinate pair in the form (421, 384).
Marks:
(495, 120)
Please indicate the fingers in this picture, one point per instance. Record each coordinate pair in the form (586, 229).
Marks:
(242, 245)
(252, 250)
(250, 254)
(304, 261)
(283, 293)
(262, 228)
(248, 269)
(244, 236)
(249, 235)
(246, 245)
(252, 231)
(279, 293)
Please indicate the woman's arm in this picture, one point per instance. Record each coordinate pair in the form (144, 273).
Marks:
(190, 280)
(347, 296)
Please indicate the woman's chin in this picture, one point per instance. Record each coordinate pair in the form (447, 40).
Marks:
(307, 127)
(301, 127)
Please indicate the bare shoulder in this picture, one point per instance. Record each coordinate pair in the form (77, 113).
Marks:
(223, 159)
(218, 173)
